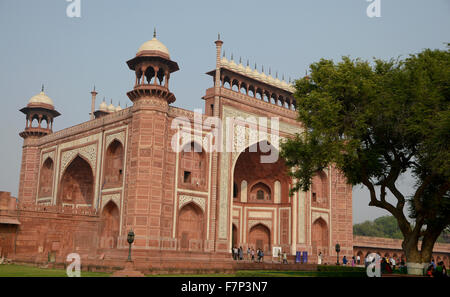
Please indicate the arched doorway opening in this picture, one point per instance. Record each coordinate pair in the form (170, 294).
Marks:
(259, 238)
(319, 237)
(109, 226)
(190, 227)
(77, 183)
(234, 236)
(261, 177)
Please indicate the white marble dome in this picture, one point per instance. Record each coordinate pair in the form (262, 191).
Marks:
(41, 98)
(154, 45)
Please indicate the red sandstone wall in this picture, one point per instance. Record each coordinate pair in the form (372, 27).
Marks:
(150, 179)
(43, 232)
(341, 215)
(28, 174)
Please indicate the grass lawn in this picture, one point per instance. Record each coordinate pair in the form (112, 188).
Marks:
(13, 270)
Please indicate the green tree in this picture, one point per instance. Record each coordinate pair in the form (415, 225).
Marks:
(374, 122)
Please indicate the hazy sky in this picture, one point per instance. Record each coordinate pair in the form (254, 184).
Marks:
(40, 44)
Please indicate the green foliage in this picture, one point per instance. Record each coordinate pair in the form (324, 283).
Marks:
(385, 226)
(375, 121)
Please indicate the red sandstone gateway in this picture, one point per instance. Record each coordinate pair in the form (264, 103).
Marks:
(82, 188)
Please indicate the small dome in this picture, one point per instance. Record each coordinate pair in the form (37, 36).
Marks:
(103, 106)
(248, 71)
(154, 45)
(241, 67)
(111, 108)
(118, 108)
(232, 65)
(255, 74)
(41, 98)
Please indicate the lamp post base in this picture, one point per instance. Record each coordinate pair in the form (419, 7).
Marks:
(128, 271)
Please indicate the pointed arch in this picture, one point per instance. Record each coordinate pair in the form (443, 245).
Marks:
(190, 222)
(109, 225)
(319, 237)
(46, 178)
(113, 165)
(259, 237)
(77, 183)
(320, 190)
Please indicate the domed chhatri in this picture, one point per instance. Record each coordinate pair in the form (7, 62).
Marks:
(153, 47)
(152, 66)
(41, 99)
(40, 112)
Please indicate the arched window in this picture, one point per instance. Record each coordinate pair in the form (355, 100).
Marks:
(260, 192)
(113, 170)
(150, 75)
(46, 179)
(160, 76)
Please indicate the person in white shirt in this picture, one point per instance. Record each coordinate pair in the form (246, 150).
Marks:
(392, 260)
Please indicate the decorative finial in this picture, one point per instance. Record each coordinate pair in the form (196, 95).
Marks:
(224, 54)
(247, 63)
(111, 100)
(94, 88)
(270, 71)
(154, 32)
(232, 56)
(262, 68)
(276, 74)
(240, 60)
(283, 76)
(255, 66)
(42, 89)
(218, 36)
(289, 79)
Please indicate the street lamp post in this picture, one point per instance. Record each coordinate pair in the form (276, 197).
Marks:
(338, 249)
(130, 240)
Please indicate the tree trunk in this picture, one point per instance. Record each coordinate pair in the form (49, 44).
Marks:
(417, 261)
(414, 261)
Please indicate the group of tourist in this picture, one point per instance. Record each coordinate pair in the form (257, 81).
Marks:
(438, 270)
(238, 254)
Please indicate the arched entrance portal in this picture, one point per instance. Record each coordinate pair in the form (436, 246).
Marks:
(234, 236)
(109, 226)
(77, 183)
(259, 238)
(319, 237)
(190, 228)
